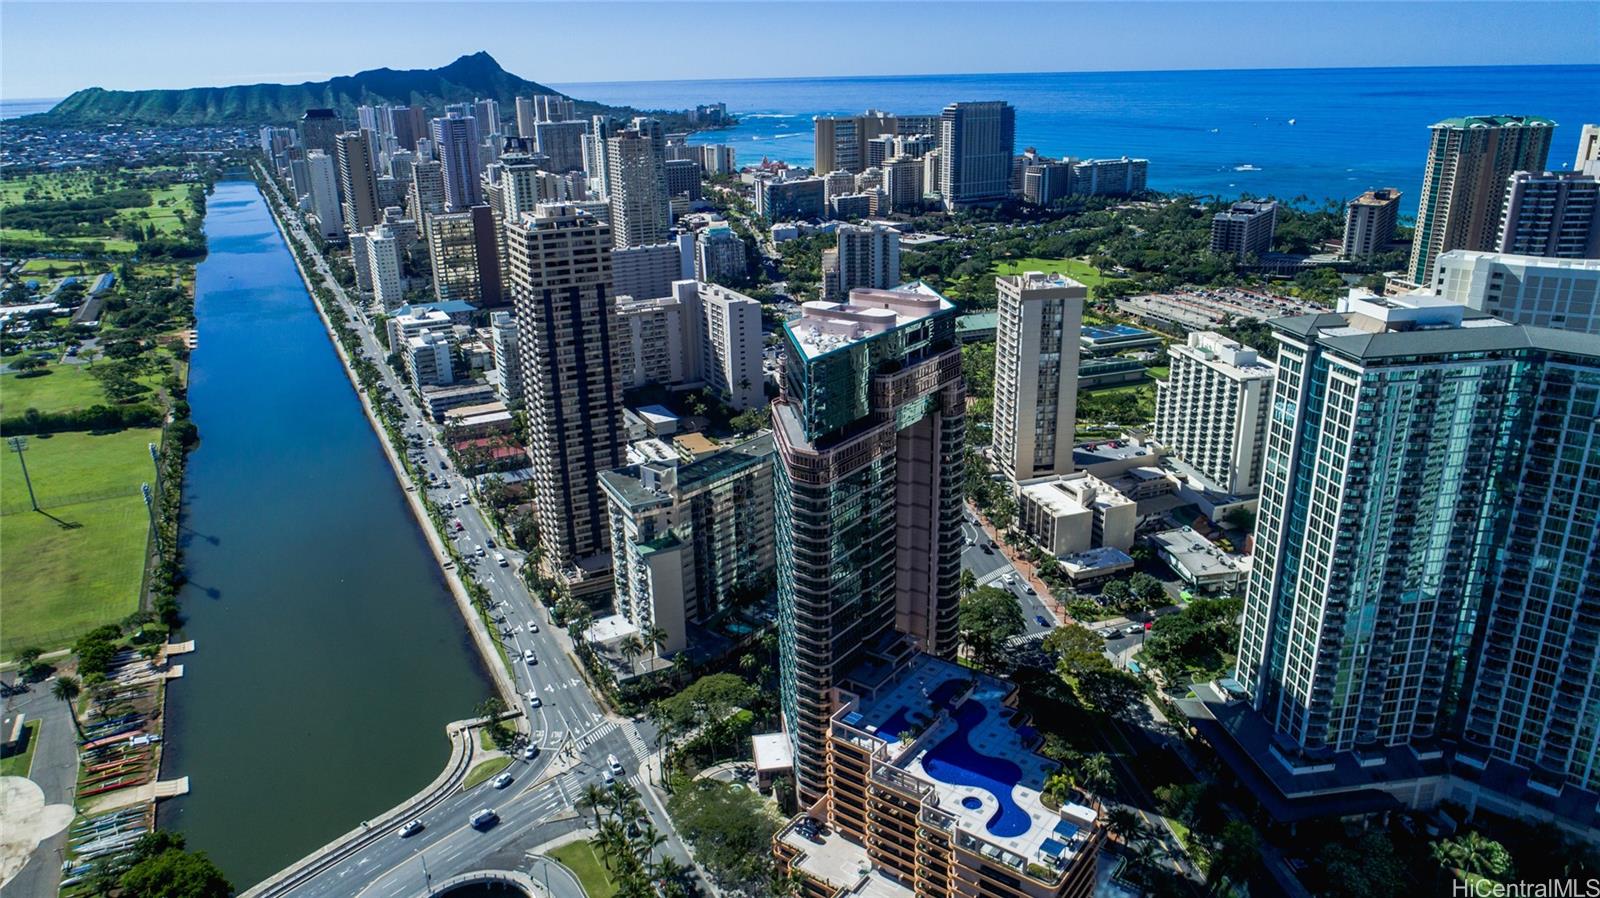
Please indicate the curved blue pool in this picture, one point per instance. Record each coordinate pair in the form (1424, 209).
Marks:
(956, 762)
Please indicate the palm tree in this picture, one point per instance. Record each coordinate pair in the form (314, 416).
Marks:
(632, 648)
(612, 841)
(67, 689)
(655, 637)
(1124, 823)
(1096, 774)
(624, 799)
(645, 845)
(594, 797)
(748, 662)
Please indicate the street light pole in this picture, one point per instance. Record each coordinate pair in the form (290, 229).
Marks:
(18, 444)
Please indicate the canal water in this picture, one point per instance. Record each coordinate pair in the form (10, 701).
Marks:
(329, 654)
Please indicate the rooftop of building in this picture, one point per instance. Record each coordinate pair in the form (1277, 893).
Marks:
(482, 408)
(1370, 327)
(825, 327)
(634, 487)
(1194, 553)
(842, 865)
(1228, 354)
(1094, 562)
(1114, 333)
(1040, 280)
(1495, 121)
(448, 307)
(1246, 209)
(1087, 454)
(1512, 260)
(1070, 493)
(950, 734)
(1382, 196)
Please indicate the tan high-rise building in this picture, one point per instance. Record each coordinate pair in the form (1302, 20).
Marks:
(1464, 187)
(637, 184)
(1369, 222)
(841, 141)
(1036, 373)
(560, 264)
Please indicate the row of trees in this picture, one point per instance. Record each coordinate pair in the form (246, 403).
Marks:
(630, 846)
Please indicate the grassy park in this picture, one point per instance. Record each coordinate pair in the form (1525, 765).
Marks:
(20, 763)
(78, 562)
(67, 386)
(167, 208)
(579, 857)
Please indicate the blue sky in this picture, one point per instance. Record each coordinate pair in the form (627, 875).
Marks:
(49, 49)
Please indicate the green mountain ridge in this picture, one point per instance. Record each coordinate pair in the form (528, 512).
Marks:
(470, 77)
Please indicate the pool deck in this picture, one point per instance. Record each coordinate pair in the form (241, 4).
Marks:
(996, 766)
(842, 864)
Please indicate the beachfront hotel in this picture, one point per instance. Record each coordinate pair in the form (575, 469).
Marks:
(934, 791)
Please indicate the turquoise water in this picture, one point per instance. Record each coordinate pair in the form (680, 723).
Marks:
(1212, 132)
(329, 653)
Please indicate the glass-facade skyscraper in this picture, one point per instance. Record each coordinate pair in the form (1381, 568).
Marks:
(870, 430)
(1426, 571)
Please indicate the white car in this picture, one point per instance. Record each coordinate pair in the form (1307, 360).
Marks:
(478, 550)
(533, 627)
(464, 499)
(614, 764)
(534, 701)
(501, 560)
(528, 656)
(411, 829)
(502, 781)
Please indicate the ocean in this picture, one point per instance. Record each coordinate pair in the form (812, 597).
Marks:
(25, 106)
(1317, 133)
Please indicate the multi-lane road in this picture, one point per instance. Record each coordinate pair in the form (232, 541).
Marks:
(571, 730)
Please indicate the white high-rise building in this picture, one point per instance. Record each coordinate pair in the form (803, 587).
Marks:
(730, 353)
(1036, 373)
(324, 175)
(869, 256)
(427, 358)
(1211, 411)
(1536, 290)
(383, 259)
(507, 360)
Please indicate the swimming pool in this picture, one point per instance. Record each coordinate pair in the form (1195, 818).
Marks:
(955, 762)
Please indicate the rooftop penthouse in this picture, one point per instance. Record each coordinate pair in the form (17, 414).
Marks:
(935, 761)
(826, 326)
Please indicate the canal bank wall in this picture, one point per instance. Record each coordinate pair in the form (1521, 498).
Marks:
(482, 640)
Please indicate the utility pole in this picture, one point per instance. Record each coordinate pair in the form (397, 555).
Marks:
(18, 444)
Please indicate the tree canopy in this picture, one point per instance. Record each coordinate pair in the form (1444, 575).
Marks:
(987, 618)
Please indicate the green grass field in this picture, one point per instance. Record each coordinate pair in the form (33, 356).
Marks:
(20, 763)
(79, 563)
(579, 857)
(482, 772)
(67, 387)
(162, 212)
(1078, 270)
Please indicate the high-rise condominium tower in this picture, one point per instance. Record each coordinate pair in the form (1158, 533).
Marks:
(1036, 373)
(1425, 566)
(869, 256)
(976, 143)
(1464, 187)
(1369, 222)
(637, 184)
(319, 130)
(455, 139)
(1211, 411)
(870, 429)
(1555, 214)
(560, 265)
(357, 180)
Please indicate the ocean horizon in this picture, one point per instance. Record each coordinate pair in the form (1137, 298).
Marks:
(1318, 133)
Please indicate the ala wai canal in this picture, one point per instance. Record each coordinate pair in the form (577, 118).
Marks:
(329, 654)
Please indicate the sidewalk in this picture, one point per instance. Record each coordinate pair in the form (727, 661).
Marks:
(1025, 567)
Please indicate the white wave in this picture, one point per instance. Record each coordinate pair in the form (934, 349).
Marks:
(768, 115)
